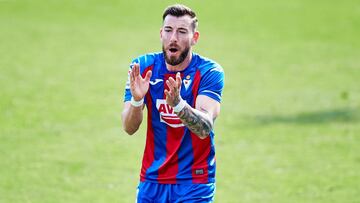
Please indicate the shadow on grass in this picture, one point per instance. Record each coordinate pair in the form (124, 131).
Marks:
(344, 115)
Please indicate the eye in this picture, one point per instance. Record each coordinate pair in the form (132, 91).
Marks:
(167, 29)
(183, 31)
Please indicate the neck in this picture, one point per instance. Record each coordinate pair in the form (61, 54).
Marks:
(182, 66)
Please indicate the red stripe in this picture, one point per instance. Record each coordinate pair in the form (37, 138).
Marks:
(169, 169)
(201, 147)
(201, 150)
(195, 87)
(148, 157)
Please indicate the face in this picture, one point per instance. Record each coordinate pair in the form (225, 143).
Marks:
(177, 37)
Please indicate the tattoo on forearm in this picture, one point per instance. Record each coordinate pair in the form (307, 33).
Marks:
(198, 122)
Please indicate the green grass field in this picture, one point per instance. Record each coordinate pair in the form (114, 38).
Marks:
(289, 130)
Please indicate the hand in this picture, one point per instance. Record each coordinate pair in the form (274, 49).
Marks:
(173, 94)
(138, 85)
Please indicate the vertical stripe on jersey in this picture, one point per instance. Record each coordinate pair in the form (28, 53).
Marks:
(169, 168)
(149, 151)
(186, 158)
(201, 147)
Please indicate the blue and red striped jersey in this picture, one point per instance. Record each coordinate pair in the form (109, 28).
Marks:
(173, 154)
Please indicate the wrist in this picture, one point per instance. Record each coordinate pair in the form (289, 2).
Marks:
(180, 106)
(136, 103)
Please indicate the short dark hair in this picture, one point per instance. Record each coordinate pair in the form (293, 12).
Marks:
(179, 10)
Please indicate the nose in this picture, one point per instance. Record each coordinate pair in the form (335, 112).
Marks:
(173, 37)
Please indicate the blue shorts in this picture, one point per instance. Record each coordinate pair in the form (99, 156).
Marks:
(175, 193)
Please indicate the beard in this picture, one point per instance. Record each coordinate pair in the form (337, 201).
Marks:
(174, 60)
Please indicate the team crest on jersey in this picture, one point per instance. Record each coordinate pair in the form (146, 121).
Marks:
(167, 114)
(187, 82)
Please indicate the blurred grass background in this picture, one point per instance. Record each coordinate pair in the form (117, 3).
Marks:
(289, 127)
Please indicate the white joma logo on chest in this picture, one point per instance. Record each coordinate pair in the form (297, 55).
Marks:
(156, 81)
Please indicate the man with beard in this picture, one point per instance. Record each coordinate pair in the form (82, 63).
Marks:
(182, 93)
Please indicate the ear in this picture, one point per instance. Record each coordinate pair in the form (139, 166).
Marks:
(195, 38)
(161, 30)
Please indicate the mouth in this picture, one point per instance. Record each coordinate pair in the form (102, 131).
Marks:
(173, 50)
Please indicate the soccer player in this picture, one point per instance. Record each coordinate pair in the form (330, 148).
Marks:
(182, 93)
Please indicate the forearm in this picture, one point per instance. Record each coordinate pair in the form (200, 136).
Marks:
(131, 118)
(197, 121)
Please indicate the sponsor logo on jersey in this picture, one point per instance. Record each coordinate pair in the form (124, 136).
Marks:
(167, 114)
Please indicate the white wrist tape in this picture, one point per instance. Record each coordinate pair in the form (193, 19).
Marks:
(136, 103)
(179, 106)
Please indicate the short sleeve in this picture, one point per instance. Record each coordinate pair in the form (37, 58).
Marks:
(212, 83)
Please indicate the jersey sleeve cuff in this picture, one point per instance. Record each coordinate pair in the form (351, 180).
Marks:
(212, 95)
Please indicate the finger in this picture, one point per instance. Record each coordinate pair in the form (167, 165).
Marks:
(176, 84)
(172, 83)
(167, 93)
(133, 70)
(178, 80)
(169, 85)
(148, 76)
(136, 70)
(131, 75)
(171, 79)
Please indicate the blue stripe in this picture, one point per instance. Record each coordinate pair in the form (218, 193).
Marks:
(186, 159)
(211, 166)
(160, 131)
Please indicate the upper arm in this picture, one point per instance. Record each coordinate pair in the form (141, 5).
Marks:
(208, 105)
(210, 92)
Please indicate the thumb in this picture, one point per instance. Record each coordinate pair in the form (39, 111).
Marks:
(148, 76)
